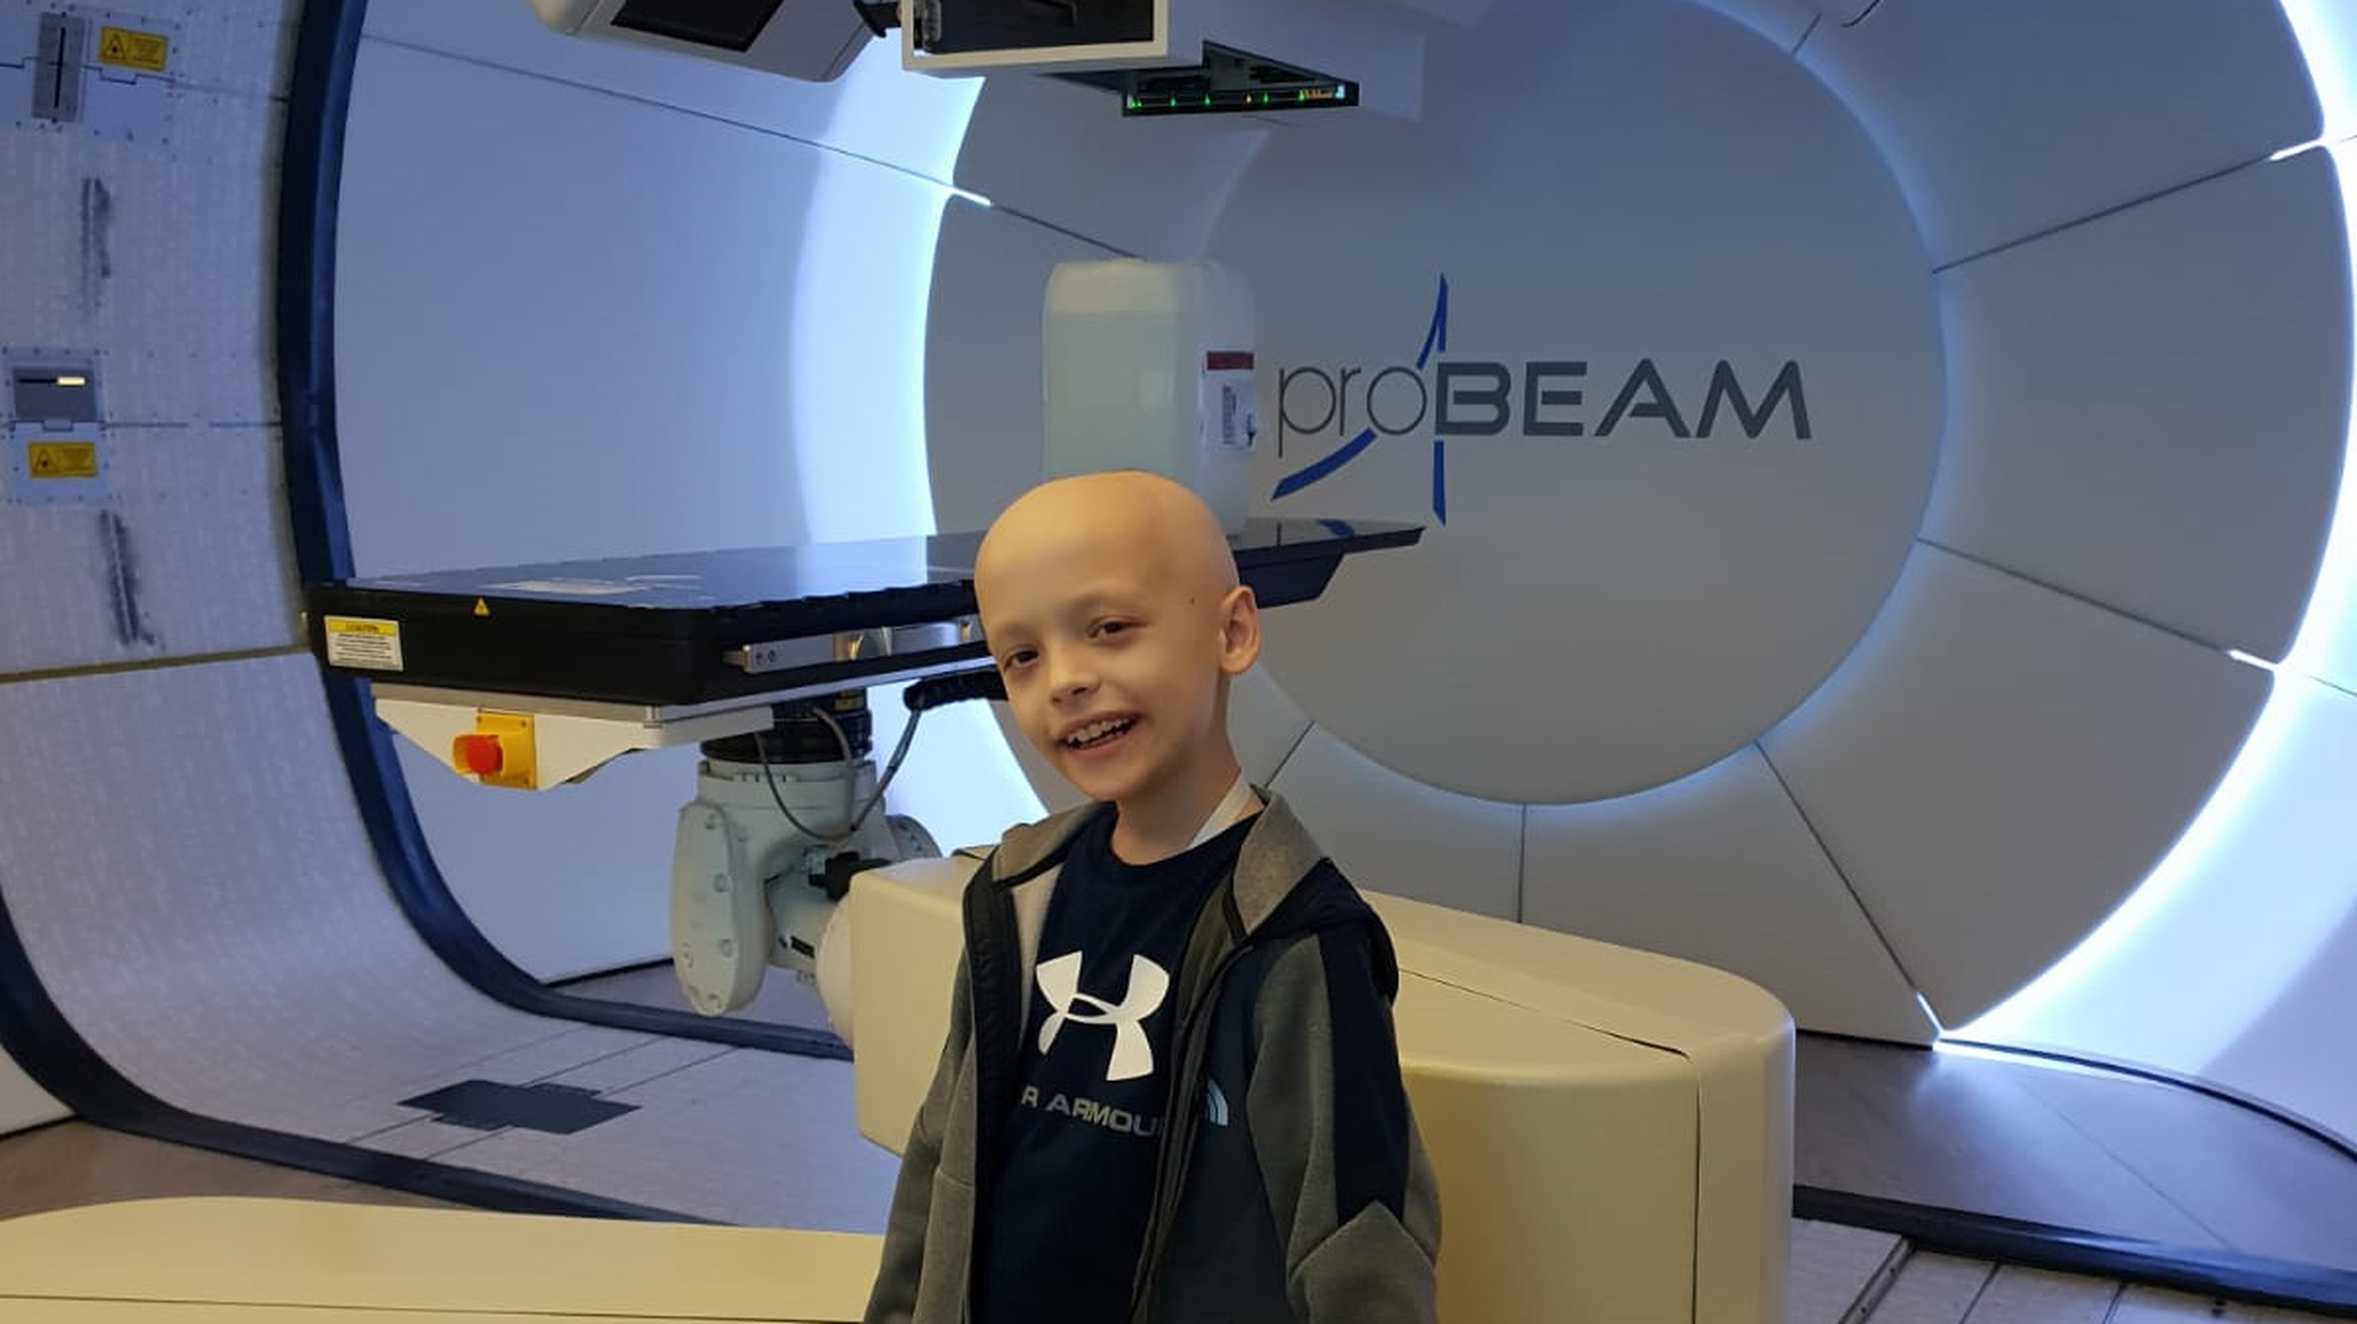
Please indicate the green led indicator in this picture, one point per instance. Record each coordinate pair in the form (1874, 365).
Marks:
(1207, 101)
(1301, 96)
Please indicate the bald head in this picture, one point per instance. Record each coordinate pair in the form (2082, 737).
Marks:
(1112, 608)
(1144, 522)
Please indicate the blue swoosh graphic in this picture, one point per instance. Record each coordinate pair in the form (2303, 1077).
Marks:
(1436, 336)
(1350, 451)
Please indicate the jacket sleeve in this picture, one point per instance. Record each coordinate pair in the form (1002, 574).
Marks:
(1349, 1185)
(893, 1299)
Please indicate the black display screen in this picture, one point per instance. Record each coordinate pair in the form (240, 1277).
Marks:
(729, 24)
(969, 26)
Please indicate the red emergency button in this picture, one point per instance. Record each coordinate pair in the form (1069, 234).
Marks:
(478, 754)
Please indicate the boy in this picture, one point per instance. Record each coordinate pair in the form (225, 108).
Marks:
(1170, 1091)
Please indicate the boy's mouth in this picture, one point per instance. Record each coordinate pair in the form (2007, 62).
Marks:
(1097, 734)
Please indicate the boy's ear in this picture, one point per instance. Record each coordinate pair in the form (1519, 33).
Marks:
(1239, 631)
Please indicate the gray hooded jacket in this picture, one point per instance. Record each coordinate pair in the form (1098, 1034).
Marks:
(1306, 1197)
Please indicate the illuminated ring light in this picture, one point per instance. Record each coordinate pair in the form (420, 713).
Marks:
(868, 247)
(2180, 912)
(2177, 909)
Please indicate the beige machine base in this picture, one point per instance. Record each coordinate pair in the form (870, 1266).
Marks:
(1612, 1129)
(201, 1261)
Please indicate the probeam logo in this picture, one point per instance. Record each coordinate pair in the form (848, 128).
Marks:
(1455, 398)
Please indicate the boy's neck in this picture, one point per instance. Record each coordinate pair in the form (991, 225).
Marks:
(1163, 821)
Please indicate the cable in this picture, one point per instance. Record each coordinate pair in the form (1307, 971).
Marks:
(921, 697)
(855, 816)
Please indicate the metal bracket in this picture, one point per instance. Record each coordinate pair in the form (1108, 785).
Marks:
(853, 646)
(57, 69)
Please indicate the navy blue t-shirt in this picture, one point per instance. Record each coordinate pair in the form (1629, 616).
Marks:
(1068, 1207)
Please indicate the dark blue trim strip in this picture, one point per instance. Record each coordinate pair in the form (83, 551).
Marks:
(312, 177)
(2217, 1273)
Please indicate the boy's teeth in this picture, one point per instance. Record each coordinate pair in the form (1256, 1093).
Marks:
(1095, 731)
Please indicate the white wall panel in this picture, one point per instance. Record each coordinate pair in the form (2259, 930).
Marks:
(1389, 834)
(1720, 868)
(236, 46)
(1998, 765)
(1063, 153)
(984, 413)
(155, 253)
(544, 355)
(2169, 444)
(189, 558)
(2007, 117)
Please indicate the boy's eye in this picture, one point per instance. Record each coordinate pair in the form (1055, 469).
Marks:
(1105, 628)
(1020, 657)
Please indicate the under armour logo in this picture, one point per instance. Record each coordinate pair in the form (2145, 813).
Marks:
(1133, 1053)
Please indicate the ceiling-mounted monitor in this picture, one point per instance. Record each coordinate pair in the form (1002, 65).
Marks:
(808, 39)
(1164, 57)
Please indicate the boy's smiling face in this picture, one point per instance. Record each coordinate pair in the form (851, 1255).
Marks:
(1117, 629)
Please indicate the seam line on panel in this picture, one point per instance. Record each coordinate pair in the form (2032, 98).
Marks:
(733, 122)
(152, 664)
(2114, 210)
(1864, 911)
(1522, 872)
(2131, 1169)
(2174, 632)
(1298, 741)
(1806, 33)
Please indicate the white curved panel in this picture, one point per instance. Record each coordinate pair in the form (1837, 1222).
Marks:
(2233, 961)
(1720, 868)
(1998, 765)
(2167, 444)
(632, 349)
(1389, 834)
(505, 33)
(984, 416)
(1062, 152)
(1518, 327)
(2008, 117)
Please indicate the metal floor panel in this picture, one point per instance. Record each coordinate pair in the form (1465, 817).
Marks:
(184, 862)
(1832, 1268)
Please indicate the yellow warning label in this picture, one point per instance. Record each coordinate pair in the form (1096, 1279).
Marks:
(62, 459)
(369, 645)
(129, 48)
(482, 608)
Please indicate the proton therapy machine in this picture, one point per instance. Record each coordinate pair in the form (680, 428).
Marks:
(1611, 1129)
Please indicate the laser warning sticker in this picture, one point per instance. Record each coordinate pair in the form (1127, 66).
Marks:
(61, 459)
(363, 644)
(129, 48)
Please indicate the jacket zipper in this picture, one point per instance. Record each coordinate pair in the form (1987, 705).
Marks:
(1183, 1116)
